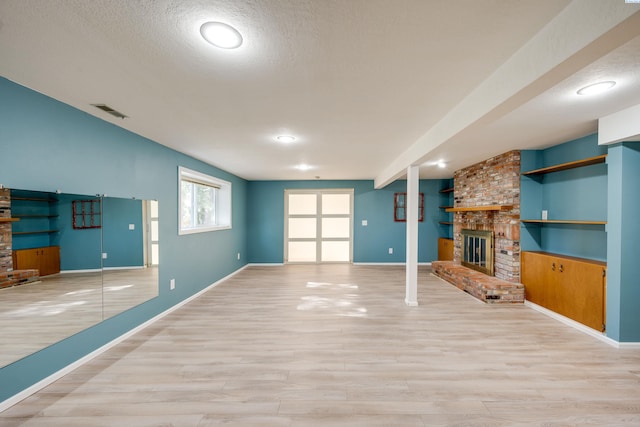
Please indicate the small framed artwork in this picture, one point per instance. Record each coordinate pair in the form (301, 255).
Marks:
(400, 207)
(86, 214)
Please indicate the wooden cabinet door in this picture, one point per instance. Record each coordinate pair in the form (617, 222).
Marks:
(539, 279)
(26, 259)
(581, 292)
(445, 249)
(50, 260)
(574, 288)
(46, 260)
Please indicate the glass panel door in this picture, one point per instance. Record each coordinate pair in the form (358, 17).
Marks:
(318, 225)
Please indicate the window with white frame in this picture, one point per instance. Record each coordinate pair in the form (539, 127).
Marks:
(205, 202)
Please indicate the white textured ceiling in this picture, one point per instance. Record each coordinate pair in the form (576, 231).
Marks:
(364, 85)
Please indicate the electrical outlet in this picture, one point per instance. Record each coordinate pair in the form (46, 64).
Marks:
(390, 251)
(172, 284)
(104, 255)
(238, 255)
(132, 226)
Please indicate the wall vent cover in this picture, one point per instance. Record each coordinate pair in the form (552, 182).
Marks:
(107, 109)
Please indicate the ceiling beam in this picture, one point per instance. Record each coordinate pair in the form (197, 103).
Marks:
(583, 32)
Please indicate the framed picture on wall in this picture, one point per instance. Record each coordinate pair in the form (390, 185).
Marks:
(400, 207)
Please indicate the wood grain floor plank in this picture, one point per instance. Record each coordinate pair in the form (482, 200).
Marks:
(335, 345)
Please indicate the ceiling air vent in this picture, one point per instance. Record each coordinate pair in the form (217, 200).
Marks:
(110, 110)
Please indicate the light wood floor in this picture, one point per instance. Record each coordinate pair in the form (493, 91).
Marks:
(335, 345)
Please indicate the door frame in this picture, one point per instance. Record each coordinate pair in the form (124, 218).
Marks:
(318, 239)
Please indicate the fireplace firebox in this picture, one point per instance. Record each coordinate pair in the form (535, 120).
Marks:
(477, 250)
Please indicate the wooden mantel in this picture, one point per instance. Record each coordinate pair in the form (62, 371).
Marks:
(9, 219)
(481, 208)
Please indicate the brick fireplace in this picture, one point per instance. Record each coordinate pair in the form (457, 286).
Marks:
(494, 182)
(487, 198)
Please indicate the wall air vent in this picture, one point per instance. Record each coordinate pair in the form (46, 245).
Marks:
(110, 110)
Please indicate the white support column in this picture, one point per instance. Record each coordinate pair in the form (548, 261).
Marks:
(413, 196)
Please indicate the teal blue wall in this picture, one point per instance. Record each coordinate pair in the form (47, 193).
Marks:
(579, 194)
(79, 249)
(623, 283)
(371, 243)
(47, 145)
(124, 247)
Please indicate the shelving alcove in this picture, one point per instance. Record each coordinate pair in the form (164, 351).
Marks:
(445, 240)
(557, 269)
(35, 235)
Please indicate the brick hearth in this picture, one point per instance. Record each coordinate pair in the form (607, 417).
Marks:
(486, 288)
(17, 277)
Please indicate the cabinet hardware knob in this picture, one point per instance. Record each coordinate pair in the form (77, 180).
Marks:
(553, 266)
(561, 268)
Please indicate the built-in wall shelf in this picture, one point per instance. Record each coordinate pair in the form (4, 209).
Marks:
(9, 219)
(481, 208)
(569, 165)
(35, 232)
(445, 220)
(562, 221)
(35, 216)
(34, 199)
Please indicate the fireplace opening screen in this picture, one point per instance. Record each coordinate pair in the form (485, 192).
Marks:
(477, 250)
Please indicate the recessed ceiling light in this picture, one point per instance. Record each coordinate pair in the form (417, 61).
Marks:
(221, 35)
(441, 164)
(596, 88)
(286, 138)
(303, 167)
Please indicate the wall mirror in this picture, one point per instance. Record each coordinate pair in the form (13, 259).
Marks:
(95, 257)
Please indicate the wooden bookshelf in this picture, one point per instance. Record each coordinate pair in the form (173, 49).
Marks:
(562, 221)
(569, 165)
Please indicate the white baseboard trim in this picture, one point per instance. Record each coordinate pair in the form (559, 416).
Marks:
(265, 264)
(90, 270)
(280, 264)
(582, 328)
(428, 264)
(6, 404)
(131, 267)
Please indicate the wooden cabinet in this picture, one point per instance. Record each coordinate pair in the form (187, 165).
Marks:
(45, 259)
(572, 287)
(445, 249)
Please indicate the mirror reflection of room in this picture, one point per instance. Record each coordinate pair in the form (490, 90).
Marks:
(69, 261)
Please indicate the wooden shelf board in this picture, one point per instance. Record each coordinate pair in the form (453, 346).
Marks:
(35, 232)
(481, 208)
(446, 190)
(445, 223)
(569, 165)
(36, 216)
(9, 219)
(562, 221)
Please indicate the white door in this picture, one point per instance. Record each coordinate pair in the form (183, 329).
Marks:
(318, 226)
